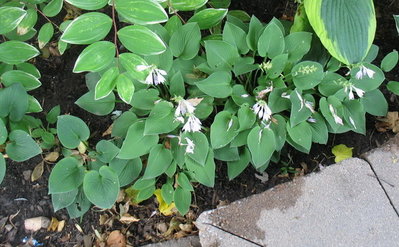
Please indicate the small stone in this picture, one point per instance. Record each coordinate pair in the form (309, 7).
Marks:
(8, 227)
(162, 227)
(27, 174)
(35, 224)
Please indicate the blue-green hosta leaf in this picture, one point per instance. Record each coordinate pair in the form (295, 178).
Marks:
(161, 119)
(28, 81)
(10, 18)
(53, 8)
(369, 102)
(261, 144)
(79, 206)
(236, 36)
(205, 174)
(223, 129)
(254, 32)
(390, 61)
(88, 4)
(201, 146)
(122, 124)
(136, 143)
(141, 40)
(186, 5)
(102, 51)
(22, 147)
(208, 18)
(367, 82)
(13, 102)
(185, 41)
(2, 168)
(107, 151)
(72, 131)
(345, 27)
(297, 45)
(66, 176)
(46, 32)
(63, 200)
(217, 85)
(182, 199)
(319, 129)
(33, 105)
(101, 187)
(127, 170)
(87, 28)
(99, 107)
(307, 75)
(142, 12)
(301, 134)
(159, 160)
(25, 52)
(3, 132)
(220, 55)
(235, 168)
(271, 43)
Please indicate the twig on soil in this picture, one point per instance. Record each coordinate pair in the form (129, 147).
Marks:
(40, 12)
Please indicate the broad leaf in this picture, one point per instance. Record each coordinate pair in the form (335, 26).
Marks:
(53, 8)
(271, 43)
(220, 55)
(186, 5)
(66, 176)
(161, 119)
(103, 51)
(46, 32)
(27, 80)
(106, 84)
(125, 88)
(88, 4)
(307, 75)
(185, 41)
(21, 146)
(261, 144)
(205, 174)
(72, 131)
(141, 12)
(159, 160)
(217, 85)
(101, 187)
(235, 168)
(2, 168)
(79, 206)
(25, 52)
(13, 102)
(3, 132)
(122, 124)
(63, 200)
(223, 129)
(301, 134)
(99, 107)
(182, 200)
(10, 18)
(201, 146)
(127, 170)
(106, 150)
(130, 63)
(208, 18)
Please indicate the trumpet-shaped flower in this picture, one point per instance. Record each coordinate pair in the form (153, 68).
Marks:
(305, 103)
(155, 76)
(193, 124)
(189, 146)
(262, 110)
(352, 88)
(183, 107)
(364, 71)
(337, 119)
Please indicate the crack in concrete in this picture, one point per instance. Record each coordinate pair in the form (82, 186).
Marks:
(232, 233)
(382, 186)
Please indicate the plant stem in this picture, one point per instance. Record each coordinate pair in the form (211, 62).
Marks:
(40, 12)
(115, 28)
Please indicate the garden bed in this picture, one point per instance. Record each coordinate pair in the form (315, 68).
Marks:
(21, 199)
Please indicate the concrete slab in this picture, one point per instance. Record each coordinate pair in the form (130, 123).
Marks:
(344, 205)
(385, 163)
(191, 241)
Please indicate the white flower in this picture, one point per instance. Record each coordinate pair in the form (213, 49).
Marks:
(262, 110)
(337, 119)
(305, 103)
(312, 120)
(183, 107)
(244, 95)
(358, 91)
(155, 76)
(263, 93)
(193, 124)
(285, 95)
(189, 146)
(364, 71)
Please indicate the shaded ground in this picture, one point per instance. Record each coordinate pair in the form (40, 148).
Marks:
(21, 199)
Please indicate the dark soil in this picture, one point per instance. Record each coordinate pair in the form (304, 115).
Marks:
(21, 199)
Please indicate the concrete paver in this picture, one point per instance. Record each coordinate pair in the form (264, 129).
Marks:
(385, 163)
(191, 241)
(343, 205)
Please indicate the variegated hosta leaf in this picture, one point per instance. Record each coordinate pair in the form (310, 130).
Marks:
(345, 27)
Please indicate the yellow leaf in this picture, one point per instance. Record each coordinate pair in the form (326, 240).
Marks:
(53, 225)
(342, 152)
(37, 172)
(164, 208)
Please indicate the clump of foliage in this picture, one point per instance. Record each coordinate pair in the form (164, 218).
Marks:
(219, 85)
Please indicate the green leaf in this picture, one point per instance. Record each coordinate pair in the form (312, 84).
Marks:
(13, 102)
(370, 106)
(80, 206)
(220, 55)
(355, 115)
(25, 52)
(46, 32)
(88, 4)
(235, 168)
(299, 111)
(271, 43)
(87, 28)
(3, 132)
(72, 131)
(223, 129)
(201, 146)
(101, 187)
(367, 83)
(217, 85)
(29, 81)
(280, 132)
(227, 153)
(393, 86)
(254, 33)
(122, 124)
(390, 61)
(319, 129)
(205, 174)
(297, 45)
(278, 64)
(307, 75)
(246, 117)
(176, 86)
(3, 168)
(301, 134)
(28, 22)
(53, 114)
(127, 170)
(161, 119)
(167, 192)
(345, 27)
(332, 83)
(184, 182)
(145, 99)
(208, 18)
(33, 105)
(182, 200)
(235, 36)
(185, 41)
(107, 151)
(136, 143)
(106, 84)
(29, 68)
(103, 51)
(130, 62)
(187, 5)
(53, 8)
(142, 12)
(10, 18)
(342, 152)
(21, 147)
(66, 176)
(125, 88)
(99, 107)
(159, 160)
(63, 200)
(141, 40)
(261, 144)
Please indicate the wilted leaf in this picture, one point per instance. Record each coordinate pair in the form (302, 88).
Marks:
(53, 224)
(52, 157)
(342, 152)
(164, 208)
(116, 239)
(108, 131)
(61, 225)
(390, 122)
(37, 172)
(127, 219)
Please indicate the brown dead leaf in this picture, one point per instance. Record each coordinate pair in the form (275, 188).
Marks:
(103, 219)
(72, 11)
(116, 239)
(389, 122)
(53, 224)
(108, 131)
(61, 225)
(186, 227)
(52, 157)
(195, 101)
(79, 228)
(127, 219)
(53, 49)
(37, 172)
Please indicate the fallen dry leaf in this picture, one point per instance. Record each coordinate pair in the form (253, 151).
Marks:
(116, 239)
(195, 101)
(127, 219)
(61, 225)
(53, 224)
(37, 172)
(52, 157)
(389, 122)
(35, 224)
(108, 131)
(79, 228)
